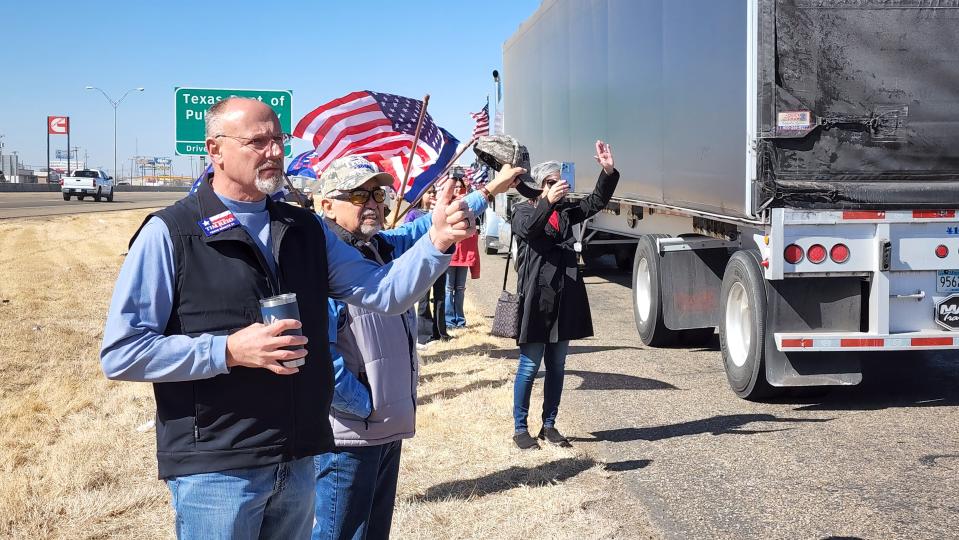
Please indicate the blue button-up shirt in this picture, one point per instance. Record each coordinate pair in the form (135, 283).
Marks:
(134, 347)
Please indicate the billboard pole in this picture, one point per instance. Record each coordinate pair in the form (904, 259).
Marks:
(48, 152)
(68, 152)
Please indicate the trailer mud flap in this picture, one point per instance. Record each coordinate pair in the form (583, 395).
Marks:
(691, 281)
(811, 304)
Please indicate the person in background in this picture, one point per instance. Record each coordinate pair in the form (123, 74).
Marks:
(236, 429)
(555, 307)
(375, 363)
(437, 325)
(466, 258)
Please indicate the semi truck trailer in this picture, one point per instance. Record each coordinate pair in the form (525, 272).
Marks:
(789, 170)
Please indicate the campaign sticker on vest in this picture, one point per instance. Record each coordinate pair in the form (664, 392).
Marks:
(218, 223)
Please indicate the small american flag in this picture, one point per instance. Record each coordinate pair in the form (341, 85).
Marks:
(482, 122)
(377, 126)
(477, 175)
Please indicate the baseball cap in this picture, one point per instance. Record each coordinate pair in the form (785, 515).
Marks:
(497, 150)
(351, 172)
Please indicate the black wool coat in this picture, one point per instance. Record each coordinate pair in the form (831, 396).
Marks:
(555, 306)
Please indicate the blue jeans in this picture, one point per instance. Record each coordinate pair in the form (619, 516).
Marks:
(530, 356)
(455, 293)
(355, 491)
(274, 501)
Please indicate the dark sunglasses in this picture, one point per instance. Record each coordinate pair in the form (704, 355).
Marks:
(359, 197)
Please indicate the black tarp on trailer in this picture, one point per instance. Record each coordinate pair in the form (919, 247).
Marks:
(881, 81)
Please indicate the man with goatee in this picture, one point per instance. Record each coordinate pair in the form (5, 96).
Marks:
(236, 429)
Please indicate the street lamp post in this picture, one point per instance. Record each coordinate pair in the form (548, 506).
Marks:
(114, 104)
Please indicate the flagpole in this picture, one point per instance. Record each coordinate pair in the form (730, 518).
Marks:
(440, 175)
(409, 163)
(299, 196)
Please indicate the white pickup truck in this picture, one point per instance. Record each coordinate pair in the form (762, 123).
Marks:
(83, 182)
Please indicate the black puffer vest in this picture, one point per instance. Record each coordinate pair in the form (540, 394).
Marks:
(248, 417)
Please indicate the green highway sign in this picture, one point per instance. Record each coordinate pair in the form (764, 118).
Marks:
(192, 103)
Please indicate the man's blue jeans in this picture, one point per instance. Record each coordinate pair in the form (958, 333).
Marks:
(455, 294)
(274, 501)
(355, 491)
(530, 356)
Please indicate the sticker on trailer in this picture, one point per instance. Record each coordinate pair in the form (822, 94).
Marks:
(794, 120)
(947, 312)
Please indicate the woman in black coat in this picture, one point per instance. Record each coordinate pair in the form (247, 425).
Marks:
(555, 307)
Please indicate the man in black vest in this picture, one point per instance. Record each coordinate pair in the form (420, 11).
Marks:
(236, 429)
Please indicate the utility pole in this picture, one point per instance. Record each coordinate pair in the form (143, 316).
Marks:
(114, 104)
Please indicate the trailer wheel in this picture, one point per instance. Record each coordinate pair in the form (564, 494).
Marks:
(647, 294)
(742, 326)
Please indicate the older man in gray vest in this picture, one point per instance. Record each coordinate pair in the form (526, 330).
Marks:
(375, 363)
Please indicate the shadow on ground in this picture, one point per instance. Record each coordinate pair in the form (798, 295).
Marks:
(500, 481)
(891, 380)
(453, 392)
(593, 380)
(729, 424)
(427, 377)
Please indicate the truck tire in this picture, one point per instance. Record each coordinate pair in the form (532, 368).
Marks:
(742, 326)
(81, 196)
(66, 196)
(96, 196)
(648, 296)
(110, 196)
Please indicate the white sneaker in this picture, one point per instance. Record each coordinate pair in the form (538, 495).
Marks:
(423, 346)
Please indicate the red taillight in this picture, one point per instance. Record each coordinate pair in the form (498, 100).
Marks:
(816, 254)
(839, 253)
(793, 254)
(942, 251)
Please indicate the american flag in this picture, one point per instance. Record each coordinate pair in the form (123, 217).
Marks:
(379, 127)
(482, 122)
(477, 175)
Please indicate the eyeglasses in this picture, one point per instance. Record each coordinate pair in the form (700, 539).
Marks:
(262, 142)
(359, 197)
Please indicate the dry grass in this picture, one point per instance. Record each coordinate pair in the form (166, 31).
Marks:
(72, 463)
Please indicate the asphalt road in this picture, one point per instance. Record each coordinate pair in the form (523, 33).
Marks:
(879, 460)
(34, 204)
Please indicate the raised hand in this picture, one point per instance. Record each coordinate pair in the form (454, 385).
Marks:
(504, 179)
(453, 221)
(604, 156)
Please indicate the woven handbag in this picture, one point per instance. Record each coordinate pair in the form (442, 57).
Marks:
(509, 306)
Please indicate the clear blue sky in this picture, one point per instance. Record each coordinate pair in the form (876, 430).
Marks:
(319, 50)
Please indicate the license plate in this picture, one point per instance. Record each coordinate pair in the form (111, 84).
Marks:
(947, 281)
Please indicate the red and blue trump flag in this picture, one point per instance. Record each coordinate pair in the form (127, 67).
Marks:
(381, 128)
(303, 165)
